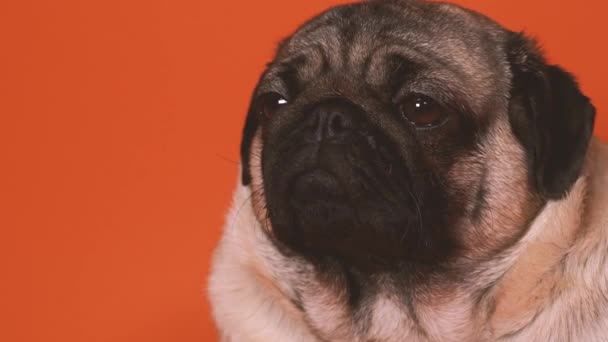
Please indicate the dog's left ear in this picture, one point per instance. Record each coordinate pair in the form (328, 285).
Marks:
(550, 116)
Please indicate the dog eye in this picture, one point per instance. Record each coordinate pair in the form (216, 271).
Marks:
(422, 111)
(268, 104)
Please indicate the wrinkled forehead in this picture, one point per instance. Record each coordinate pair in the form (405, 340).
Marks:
(451, 48)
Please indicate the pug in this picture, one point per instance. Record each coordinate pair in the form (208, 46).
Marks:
(412, 171)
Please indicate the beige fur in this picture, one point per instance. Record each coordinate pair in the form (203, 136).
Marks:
(552, 284)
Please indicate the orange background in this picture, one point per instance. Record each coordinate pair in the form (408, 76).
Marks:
(119, 130)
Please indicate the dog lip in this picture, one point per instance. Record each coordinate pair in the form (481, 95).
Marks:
(316, 184)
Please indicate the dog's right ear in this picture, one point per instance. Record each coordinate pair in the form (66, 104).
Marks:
(550, 116)
(251, 126)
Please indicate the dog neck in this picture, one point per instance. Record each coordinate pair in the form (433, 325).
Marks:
(534, 268)
(561, 256)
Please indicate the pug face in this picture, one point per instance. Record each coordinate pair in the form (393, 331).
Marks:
(400, 134)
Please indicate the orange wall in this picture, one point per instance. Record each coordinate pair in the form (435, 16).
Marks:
(119, 128)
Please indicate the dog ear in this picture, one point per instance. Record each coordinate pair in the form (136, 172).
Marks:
(550, 116)
(251, 126)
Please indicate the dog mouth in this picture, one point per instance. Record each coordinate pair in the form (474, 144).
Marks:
(319, 202)
(330, 199)
(339, 201)
(315, 185)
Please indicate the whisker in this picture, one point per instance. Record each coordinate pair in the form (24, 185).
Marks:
(418, 210)
(227, 159)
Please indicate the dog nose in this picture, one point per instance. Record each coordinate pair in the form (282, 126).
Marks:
(333, 120)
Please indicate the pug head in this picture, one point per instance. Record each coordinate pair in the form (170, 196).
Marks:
(387, 133)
